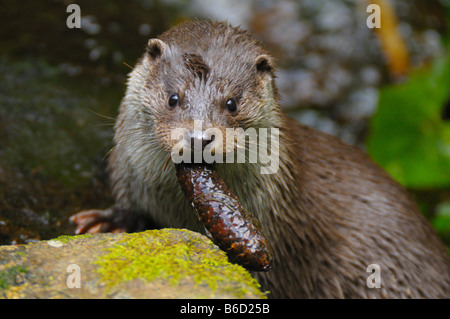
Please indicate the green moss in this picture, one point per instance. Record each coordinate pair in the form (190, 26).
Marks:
(8, 276)
(155, 254)
(66, 238)
(21, 253)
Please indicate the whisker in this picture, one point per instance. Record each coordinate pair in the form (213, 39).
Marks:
(104, 124)
(104, 116)
(109, 152)
(126, 64)
(165, 166)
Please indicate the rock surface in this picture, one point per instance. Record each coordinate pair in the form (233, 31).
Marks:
(167, 263)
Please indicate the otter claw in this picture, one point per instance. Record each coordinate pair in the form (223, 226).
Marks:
(95, 221)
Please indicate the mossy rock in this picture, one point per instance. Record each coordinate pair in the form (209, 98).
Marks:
(167, 263)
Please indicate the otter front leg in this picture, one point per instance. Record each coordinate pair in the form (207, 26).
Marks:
(113, 219)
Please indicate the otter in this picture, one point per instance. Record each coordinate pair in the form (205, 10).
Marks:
(329, 213)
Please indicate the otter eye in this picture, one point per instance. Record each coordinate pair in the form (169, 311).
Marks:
(231, 105)
(173, 100)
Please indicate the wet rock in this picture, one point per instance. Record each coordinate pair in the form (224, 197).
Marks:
(167, 263)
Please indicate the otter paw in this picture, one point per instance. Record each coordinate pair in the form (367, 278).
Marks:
(96, 221)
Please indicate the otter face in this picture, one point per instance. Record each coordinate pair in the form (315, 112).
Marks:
(198, 87)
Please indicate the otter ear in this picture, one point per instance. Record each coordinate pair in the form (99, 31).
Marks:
(264, 64)
(156, 48)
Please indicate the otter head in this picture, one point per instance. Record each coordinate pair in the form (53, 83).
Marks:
(202, 78)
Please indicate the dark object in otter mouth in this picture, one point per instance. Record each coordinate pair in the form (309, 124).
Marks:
(228, 224)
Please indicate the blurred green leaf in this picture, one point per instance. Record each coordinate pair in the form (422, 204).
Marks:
(407, 136)
(441, 222)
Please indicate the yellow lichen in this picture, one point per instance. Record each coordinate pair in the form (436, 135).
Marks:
(155, 254)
